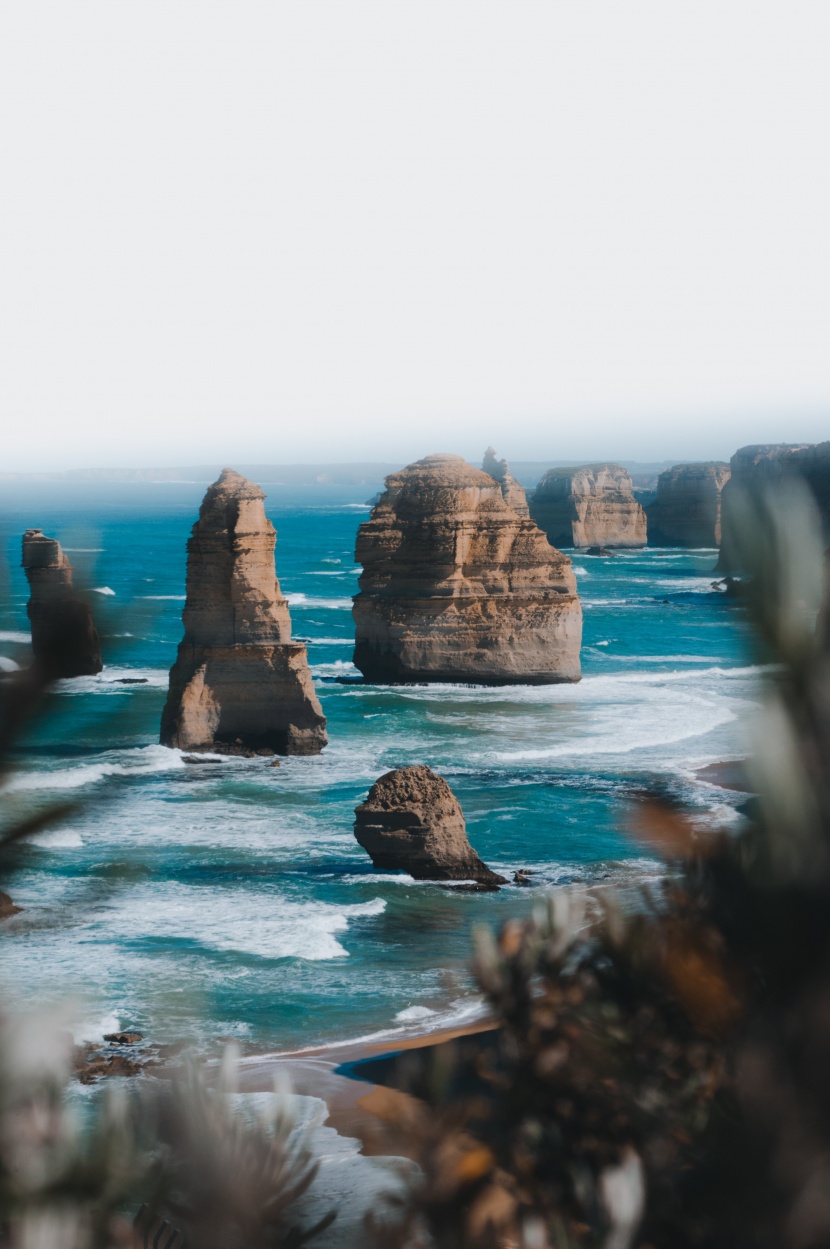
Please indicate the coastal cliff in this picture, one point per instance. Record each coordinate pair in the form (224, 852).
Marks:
(512, 492)
(592, 505)
(457, 587)
(64, 638)
(239, 680)
(755, 467)
(687, 510)
(411, 821)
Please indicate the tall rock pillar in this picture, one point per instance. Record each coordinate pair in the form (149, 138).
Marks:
(238, 679)
(64, 638)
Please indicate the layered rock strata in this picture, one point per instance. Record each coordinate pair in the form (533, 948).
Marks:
(457, 587)
(239, 682)
(64, 638)
(592, 505)
(512, 490)
(755, 467)
(687, 510)
(412, 822)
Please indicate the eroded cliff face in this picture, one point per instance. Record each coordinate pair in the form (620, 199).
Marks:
(512, 492)
(457, 587)
(756, 467)
(592, 505)
(687, 510)
(412, 822)
(238, 679)
(64, 638)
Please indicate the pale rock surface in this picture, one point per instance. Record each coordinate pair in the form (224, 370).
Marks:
(687, 510)
(411, 821)
(592, 505)
(512, 490)
(64, 638)
(457, 587)
(238, 679)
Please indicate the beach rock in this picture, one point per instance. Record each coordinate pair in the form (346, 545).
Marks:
(687, 510)
(412, 822)
(457, 587)
(239, 684)
(64, 637)
(592, 505)
(7, 907)
(758, 466)
(512, 492)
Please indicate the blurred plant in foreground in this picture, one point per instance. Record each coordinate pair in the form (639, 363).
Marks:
(661, 1079)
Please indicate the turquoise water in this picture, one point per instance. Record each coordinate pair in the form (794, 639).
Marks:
(232, 900)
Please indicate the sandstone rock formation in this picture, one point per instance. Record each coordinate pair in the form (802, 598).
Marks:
(7, 907)
(64, 638)
(412, 821)
(592, 505)
(755, 467)
(687, 510)
(457, 587)
(513, 492)
(239, 682)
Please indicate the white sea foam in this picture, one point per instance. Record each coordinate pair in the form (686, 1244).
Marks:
(330, 641)
(14, 635)
(338, 668)
(136, 762)
(95, 1030)
(57, 839)
(257, 922)
(581, 571)
(84, 550)
(413, 1014)
(298, 599)
(103, 589)
(8, 665)
(111, 681)
(173, 598)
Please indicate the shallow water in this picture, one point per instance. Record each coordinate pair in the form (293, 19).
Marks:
(232, 899)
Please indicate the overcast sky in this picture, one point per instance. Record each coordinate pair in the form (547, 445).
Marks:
(349, 230)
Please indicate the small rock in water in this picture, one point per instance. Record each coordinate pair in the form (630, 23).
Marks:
(522, 877)
(599, 550)
(123, 1038)
(275, 763)
(198, 759)
(130, 681)
(7, 907)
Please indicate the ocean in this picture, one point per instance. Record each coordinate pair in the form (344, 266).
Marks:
(231, 900)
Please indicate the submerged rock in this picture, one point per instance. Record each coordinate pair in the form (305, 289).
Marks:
(592, 505)
(687, 510)
(457, 587)
(512, 491)
(239, 683)
(7, 907)
(64, 638)
(412, 822)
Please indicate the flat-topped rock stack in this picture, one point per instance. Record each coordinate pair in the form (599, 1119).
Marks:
(238, 680)
(512, 490)
(592, 505)
(64, 638)
(411, 821)
(755, 467)
(457, 587)
(687, 510)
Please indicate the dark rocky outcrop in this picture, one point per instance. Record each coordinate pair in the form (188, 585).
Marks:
(239, 683)
(7, 907)
(412, 822)
(64, 637)
(512, 491)
(592, 505)
(756, 467)
(457, 587)
(687, 510)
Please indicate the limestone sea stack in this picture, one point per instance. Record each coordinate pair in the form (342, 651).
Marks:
(592, 505)
(755, 467)
(238, 680)
(513, 492)
(412, 822)
(687, 510)
(457, 587)
(64, 638)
